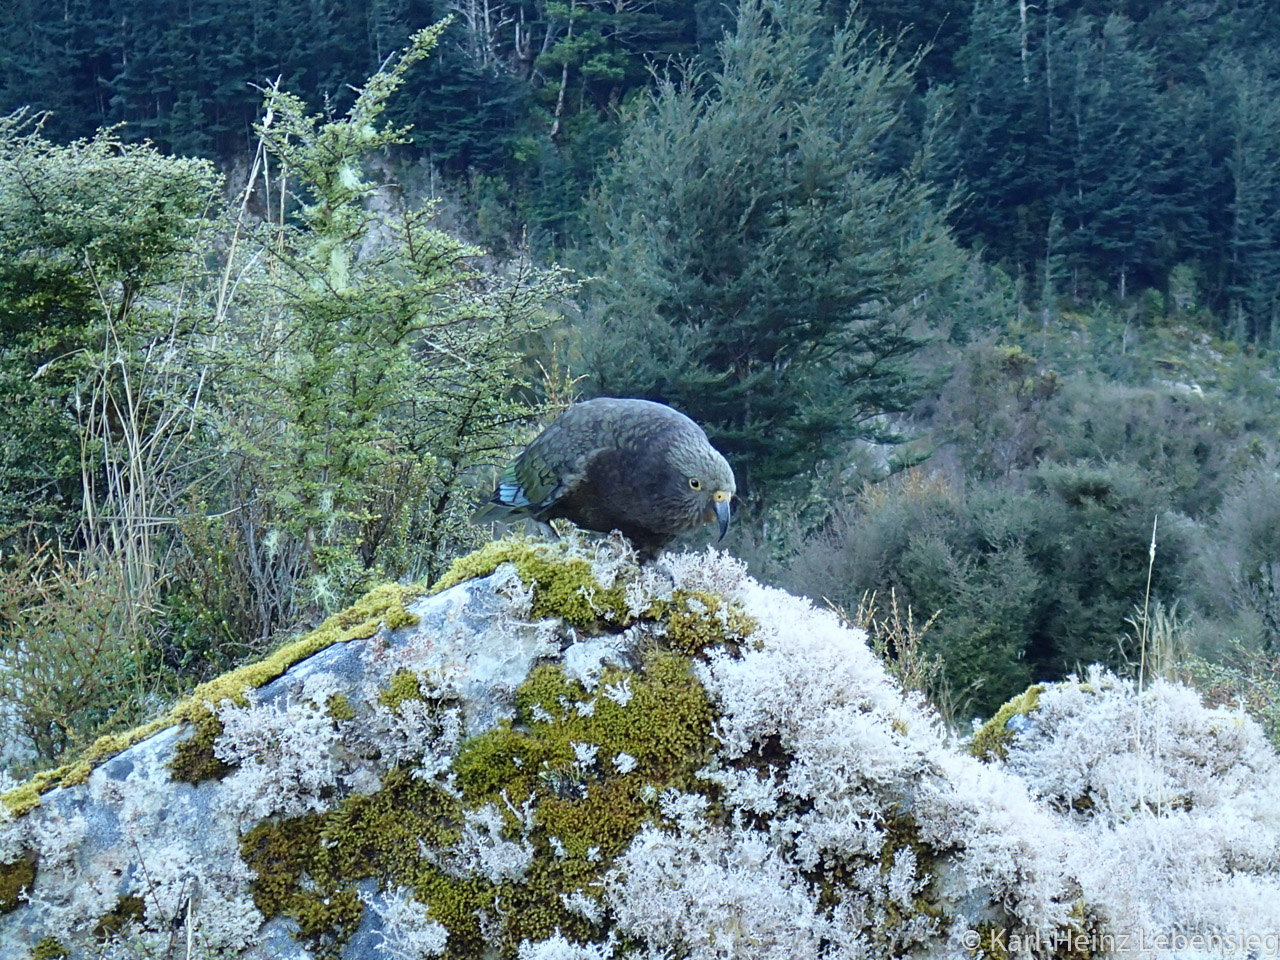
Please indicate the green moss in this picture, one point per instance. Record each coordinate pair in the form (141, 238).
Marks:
(403, 686)
(1086, 930)
(600, 823)
(562, 581)
(14, 878)
(547, 690)
(458, 904)
(536, 911)
(327, 922)
(697, 620)
(338, 707)
(193, 759)
(128, 910)
(583, 813)
(489, 763)
(382, 834)
(482, 562)
(901, 832)
(26, 796)
(991, 941)
(565, 587)
(307, 867)
(386, 604)
(992, 740)
(664, 725)
(292, 881)
(279, 853)
(49, 948)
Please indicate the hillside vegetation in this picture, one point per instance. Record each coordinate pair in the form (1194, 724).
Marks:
(985, 325)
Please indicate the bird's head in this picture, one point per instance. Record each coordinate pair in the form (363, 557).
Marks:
(705, 482)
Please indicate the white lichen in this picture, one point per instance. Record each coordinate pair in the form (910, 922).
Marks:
(483, 849)
(558, 948)
(587, 907)
(284, 756)
(620, 692)
(406, 930)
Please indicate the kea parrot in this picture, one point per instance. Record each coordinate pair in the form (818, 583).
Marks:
(634, 466)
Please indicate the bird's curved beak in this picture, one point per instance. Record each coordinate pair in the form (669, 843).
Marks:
(720, 509)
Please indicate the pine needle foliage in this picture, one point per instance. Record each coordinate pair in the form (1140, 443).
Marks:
(765, 267)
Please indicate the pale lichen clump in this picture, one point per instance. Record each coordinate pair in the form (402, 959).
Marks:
(1182, 796)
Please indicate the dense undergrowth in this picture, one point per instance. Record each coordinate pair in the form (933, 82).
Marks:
(1029, 529)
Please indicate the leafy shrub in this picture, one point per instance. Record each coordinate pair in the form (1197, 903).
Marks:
(1091, 543)
(920, 540)
(1236, 585)
(1193, 442)
(989, 415)
(244, 421)
(1026, 585)
(1241, 677)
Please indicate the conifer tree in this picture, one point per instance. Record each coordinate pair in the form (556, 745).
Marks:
(761, 270)
(370, 362)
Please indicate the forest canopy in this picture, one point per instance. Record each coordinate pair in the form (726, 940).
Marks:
(1103, 148)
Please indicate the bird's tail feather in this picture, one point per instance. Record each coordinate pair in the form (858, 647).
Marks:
(491, 511)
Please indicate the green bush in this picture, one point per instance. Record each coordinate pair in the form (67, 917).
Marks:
(1091, 541)
(765, 266)
(1236, 586)
(1027, 585)
(244, 422)
(74, 651)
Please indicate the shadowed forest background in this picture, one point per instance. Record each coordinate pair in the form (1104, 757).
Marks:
(974, 297)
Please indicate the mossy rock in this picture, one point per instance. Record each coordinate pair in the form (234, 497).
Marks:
(650, 728)
(194, 761)
(574, 775)
(565, 587)
(15, 877)
(994, 737)
(563, 582)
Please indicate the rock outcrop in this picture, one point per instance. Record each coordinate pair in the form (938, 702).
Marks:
(562, 755)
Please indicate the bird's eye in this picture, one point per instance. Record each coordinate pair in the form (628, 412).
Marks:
(695, 483)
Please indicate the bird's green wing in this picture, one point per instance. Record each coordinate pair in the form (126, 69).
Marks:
(536, 479)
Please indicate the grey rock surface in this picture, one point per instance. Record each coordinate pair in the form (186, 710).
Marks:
(133, 832)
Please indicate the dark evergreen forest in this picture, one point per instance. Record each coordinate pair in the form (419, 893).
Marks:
(1103, 147)
(971, 295)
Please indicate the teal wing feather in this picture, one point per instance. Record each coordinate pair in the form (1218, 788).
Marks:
(534, 481)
